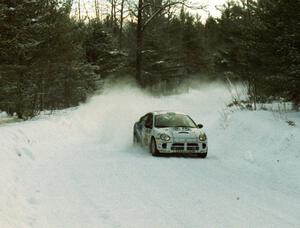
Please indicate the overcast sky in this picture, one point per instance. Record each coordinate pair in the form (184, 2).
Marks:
(87, 6)
(211, 5)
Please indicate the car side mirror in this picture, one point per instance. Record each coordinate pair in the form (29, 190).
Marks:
(200, 125)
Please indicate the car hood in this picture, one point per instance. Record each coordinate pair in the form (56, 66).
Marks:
(181, 132)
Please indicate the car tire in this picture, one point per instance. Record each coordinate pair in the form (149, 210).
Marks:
(153, 148)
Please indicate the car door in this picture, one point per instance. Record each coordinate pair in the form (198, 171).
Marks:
(140, 128)
(147, 129)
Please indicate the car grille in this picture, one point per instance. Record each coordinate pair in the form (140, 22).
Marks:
(192, 146)
(177, 146)
(185, 146)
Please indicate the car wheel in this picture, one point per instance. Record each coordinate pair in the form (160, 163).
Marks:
(202, 155)
(153, 148)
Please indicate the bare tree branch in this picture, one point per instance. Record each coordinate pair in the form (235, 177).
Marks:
(166, 5)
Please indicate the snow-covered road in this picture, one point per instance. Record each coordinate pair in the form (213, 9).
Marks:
(78, 168)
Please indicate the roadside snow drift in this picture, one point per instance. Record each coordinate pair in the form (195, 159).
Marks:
(78, 168)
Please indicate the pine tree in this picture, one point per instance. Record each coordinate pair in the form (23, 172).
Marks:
(41, 60)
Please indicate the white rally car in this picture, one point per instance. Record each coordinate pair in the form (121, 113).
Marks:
(170, 133)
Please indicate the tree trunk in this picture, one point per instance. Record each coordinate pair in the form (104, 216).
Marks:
(121, 25)
(79, 10)
(96, 9)
(139, 45)
(114, 17)
(19, 101)
(112, 14)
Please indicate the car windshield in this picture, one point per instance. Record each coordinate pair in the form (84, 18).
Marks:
(173, 120)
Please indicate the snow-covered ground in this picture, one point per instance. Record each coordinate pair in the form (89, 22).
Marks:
(78, 168)
(5, 118)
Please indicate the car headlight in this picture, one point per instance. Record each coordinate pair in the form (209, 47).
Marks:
(202, 136)
(165, 137)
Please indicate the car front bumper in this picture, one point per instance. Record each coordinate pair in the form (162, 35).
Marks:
(182, 147)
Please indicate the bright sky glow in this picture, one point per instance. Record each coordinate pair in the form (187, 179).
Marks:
(212, 4)
(87, 7)
(211, 7)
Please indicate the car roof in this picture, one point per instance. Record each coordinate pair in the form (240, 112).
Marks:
(159, 112)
